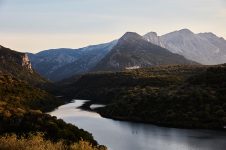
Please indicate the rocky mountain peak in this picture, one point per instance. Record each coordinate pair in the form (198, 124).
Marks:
(128, 36)
(185, 31)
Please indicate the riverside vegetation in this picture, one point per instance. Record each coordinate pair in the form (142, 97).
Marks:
(176, 96)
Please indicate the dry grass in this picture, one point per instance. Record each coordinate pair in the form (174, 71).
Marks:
(37, 142)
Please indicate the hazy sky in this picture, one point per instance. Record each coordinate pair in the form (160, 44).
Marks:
(35, 25)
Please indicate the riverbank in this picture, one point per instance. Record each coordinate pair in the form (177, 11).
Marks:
(87, 107)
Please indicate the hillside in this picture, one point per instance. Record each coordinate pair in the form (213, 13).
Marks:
(176, 96)
(18, 65)
(22, 103)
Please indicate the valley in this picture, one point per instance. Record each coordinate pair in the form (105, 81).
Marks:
(112, 75)
(136, 79)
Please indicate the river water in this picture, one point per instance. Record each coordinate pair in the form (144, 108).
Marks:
(123, 135)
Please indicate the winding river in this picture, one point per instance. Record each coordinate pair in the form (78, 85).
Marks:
(123, 135)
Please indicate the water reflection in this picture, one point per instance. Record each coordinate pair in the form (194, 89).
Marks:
(118, 135)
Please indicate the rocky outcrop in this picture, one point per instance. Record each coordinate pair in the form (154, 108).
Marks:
(9, 56)
(26, 62)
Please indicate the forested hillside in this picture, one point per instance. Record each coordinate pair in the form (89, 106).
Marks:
(177, 96)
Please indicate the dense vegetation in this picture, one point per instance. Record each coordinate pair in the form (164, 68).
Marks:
(17, 93)
(177, 96)
(21, 107)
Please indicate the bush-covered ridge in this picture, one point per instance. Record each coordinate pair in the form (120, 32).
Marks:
(177, 96)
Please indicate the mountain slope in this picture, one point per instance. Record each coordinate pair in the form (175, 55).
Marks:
(133, 51)
(19, 81)
(58, 64)
(204, 48)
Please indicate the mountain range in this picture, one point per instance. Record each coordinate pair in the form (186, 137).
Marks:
(132, 51)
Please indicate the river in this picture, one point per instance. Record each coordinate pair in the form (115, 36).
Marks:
(123, 135)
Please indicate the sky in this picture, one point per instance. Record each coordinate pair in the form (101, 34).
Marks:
(36, 25)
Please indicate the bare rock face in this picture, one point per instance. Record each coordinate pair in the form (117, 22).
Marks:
(26, 62)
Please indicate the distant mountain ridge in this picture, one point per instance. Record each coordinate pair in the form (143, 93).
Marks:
(58, 64)
(129, 52)
(133, 51)
(204, 48)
